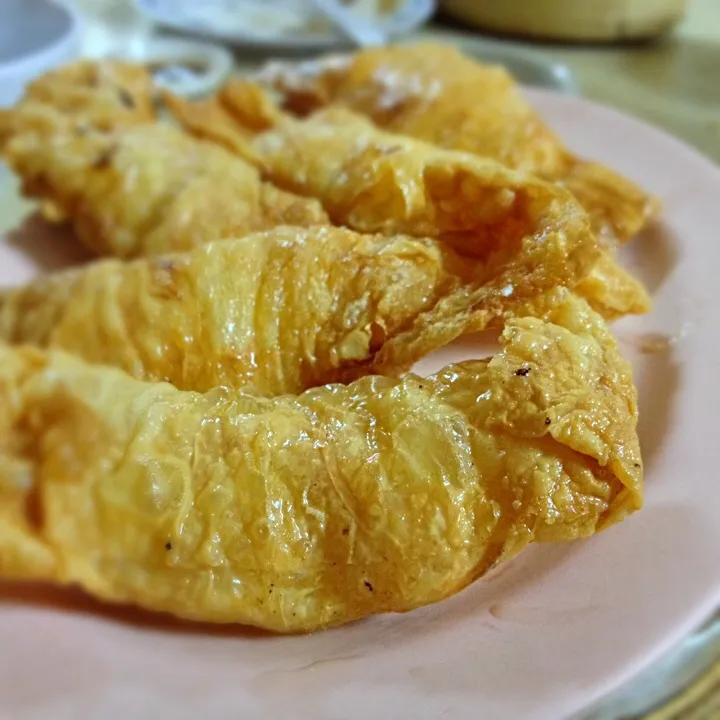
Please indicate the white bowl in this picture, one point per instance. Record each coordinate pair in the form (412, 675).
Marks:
(245, 24)
(35, 36)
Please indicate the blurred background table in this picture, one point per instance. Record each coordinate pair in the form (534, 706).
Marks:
(673, 82)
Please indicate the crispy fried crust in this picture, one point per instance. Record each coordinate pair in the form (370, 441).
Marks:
(209, 119)
(283, 310)
(377, 181)
(86, 94)
(435, 93)
(613, 291)
(299, 513)
(148, 189)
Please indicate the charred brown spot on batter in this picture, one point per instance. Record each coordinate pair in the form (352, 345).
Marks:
(34, 509)
(126, 98)
(104, 160)
(522, 371)
(377, 336)
(368, 585)
(168, 546)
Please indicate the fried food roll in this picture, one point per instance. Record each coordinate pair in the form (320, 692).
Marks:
(148, 189)
(299, 513)
(282, 310)
(371, 180)
(231, 125)
(374, 181)
(435, 93)
(101, 94)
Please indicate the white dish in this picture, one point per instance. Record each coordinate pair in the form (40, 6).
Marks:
(543, 637)
(220, 19)
(35, 36)
(186, 67)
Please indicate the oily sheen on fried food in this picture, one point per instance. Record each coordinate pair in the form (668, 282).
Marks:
(303, 512)
(375, 181)
(435, 93)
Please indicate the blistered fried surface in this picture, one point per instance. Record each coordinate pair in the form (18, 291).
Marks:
(435, 93)
(299, 513)
(283, 310)
(99, 94)
(231, 118)
(148, 189)
(619, 209)
(375, 181)
(209, 119)
(613, 291)
(409, 88)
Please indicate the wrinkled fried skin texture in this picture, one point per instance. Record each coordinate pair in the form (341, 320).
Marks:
(373, 181)
(300, 513)
(149, 189)
(376, 181)
(209, 119)
(435, 93)
(619, 209)
(230, 118)
(612, 291)
(283, 310)
(87, 94)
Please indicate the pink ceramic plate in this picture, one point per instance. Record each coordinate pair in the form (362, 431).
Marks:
(542, 637)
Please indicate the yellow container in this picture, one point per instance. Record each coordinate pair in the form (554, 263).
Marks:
(573, 20)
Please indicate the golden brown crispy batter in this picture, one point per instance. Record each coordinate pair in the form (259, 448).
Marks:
(299, 513)
(435, 93)
(613, 291)
(148, 189)
(619, 209)
(373, 180)
(209, 119)
(100, 94)
(231, 118)
(250, 105)
(376, 181)
(283, 310)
